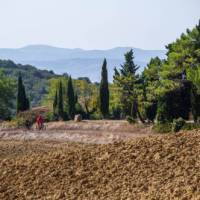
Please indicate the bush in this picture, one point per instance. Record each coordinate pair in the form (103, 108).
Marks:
(79, 110)
(50, 117)
(190, 126)
(95, 116)
(116, 112)
(198, 120)
(177, 124)
(130, 120)
(150, 111)
(18, 122)
(162, 127)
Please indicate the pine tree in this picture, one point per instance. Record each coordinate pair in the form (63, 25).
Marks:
(22, 100)
(104, 91)
(60, 101)
(126, 79)
(162, 110)
(70, 98)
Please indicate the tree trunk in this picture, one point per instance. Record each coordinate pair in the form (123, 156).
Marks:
(139, 114)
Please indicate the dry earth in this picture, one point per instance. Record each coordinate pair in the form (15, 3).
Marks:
(156, 167)
(99, 132)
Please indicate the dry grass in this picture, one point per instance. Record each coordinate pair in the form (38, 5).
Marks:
(99, 132)
(155, 167)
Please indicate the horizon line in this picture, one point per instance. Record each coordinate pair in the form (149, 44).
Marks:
(78, 48)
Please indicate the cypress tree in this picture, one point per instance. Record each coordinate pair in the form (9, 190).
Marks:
(70, 98)
(22, 100)
(55, 104)
(60, 100)
(76, 98)
(104, 91)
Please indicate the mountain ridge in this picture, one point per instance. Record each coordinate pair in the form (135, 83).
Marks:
(77, 62)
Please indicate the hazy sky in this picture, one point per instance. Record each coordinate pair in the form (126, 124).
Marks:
(95, 24)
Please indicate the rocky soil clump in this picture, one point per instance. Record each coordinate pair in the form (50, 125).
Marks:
(154, 167)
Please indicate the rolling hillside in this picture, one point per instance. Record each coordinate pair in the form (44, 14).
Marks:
(35, 79)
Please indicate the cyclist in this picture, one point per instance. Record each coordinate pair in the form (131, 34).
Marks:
(40, 122)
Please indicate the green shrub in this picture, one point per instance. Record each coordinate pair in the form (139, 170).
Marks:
(198, 120)
(50, 117)
(162, 127)
(177, 124)
(79, 110)
(95, 116)
(116, 112)
(130, 120)
(18, 122)
(190, 126)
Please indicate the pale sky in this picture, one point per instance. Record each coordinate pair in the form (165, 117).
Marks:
(95, 24)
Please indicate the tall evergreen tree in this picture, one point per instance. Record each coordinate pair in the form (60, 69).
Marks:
(60, 101)
(126, 79)
(70, 98)
(55, 104)
(22, 100)
(104, 91)
(76, 98)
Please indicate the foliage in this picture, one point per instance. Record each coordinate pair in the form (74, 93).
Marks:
(163, 115)
(52, 88)
(50, 117)
(22, 100)
(70, 99)
(88, 96)
(79, 110)
(166, 90)
(152, 82)
(130, 120)
(95, 116)
(162, 127)
(126, 80)
(195, 103)
(35, 80)
(151, 111)
(6, 96)
(104, 91)
(194, 76)
(191, 126)
(116, 112)
(60, 101)
(55, 103)
(177, 124)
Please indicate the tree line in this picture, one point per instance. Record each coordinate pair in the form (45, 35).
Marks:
(166, 90)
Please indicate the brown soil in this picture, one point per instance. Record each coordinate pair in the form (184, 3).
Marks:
(154, 167)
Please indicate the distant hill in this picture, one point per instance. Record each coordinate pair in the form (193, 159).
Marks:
(35, 80)
(77, 62)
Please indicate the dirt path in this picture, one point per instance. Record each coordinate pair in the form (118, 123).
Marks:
(98, 132)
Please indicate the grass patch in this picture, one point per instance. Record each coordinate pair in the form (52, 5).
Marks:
(169, 127)
(191, 126)
(162, 128)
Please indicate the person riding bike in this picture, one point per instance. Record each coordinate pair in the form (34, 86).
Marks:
(40, 122)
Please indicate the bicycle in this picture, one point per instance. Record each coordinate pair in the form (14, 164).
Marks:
(42, 127)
